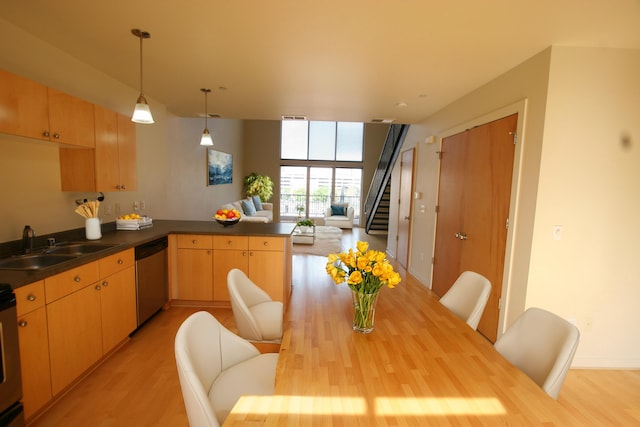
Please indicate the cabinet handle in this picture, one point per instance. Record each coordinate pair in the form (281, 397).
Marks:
(98, 287)
(250, 253)
(194, 241)
(266, 243)
(22, 323)
(244, 253)
(123, 187)
(229, 243)
(117, 187)
(46, 133)
(105, 283)
(76, 279)
(208, 252)
(120, 262)
(56, 136)
(31, 297)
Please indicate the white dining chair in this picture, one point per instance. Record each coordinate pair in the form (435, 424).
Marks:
(258, 318)
(216, 367)
(542, 345)
(468, 297)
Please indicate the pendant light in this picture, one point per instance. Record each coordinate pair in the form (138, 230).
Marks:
(141, 114)
(206, 136)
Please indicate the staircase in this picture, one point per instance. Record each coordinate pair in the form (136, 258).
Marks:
(378, 199)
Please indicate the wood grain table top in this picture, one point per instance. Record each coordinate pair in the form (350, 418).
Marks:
(420, 366)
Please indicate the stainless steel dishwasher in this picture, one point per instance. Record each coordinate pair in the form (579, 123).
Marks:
(151, 278)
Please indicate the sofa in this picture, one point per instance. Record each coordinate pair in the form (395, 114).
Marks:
(262, 215)
(339, 215)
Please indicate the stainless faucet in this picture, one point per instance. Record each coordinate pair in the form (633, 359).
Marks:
(28, 239)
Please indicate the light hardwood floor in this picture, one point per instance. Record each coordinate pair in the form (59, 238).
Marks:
(138, 385)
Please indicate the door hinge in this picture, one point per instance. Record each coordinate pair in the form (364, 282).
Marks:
(515, 137)
(500, 304)
(437, 209)
(433, 260)
(439, 153)
(506, 225)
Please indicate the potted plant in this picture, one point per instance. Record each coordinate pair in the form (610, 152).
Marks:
(305, 225)
(258, 185)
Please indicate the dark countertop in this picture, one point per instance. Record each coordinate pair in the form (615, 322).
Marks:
(125, 239)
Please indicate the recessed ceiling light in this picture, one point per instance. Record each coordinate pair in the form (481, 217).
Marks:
(383, 120)
(294, 117)
(401, 104)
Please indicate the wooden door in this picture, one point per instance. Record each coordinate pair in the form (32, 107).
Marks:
(118, 303)
(195, 274)
(476, 210)
(75, 336)
(127, 164)
(71, 120)
(107, 175)
(34, 360)
(446, 262)
(225, 261)
(24, 107)
(404, 211)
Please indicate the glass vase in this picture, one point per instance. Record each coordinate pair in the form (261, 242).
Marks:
(364, 310)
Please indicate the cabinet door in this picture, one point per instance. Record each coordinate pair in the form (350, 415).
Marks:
(195, 274)
(127, 163)
(24, 107)
(226, 260)
(266, 269)
(75, 335)
(118, 304)
(71, 120)
(106, 155)
(34, 360)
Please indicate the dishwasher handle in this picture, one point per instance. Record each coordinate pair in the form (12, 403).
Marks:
(147, 249)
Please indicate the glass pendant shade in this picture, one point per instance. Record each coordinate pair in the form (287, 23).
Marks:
(206, 138)
(142, 113)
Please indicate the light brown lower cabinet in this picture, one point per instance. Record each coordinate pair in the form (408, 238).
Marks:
(194, 267)
(34, 347)
(75, 335)
(87, 312)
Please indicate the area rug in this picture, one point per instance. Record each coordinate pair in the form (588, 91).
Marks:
(327, 241)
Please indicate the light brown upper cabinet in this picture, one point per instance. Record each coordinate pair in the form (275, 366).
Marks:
(33, 110)
(111, 166)
(70, 120)
(24, 108)
(115, 151)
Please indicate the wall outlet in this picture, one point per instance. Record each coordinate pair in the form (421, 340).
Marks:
(143, 205)
(136, 206)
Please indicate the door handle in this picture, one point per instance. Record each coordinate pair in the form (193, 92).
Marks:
(407, 218)
(461, 236)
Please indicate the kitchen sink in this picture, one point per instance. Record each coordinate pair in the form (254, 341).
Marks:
(33, 262)
(78, 249)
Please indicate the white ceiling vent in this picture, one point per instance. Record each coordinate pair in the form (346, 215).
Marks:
(383, 120)
(294, 118)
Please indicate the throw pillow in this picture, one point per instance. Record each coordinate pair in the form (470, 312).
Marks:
(257, 202)
(248, 207)
(338, 210)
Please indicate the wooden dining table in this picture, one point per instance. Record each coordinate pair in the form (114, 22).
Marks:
(421, 365)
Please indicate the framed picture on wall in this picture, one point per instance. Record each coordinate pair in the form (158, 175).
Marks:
(219, 167)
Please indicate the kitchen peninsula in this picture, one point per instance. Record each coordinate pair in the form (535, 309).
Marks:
(76, 313)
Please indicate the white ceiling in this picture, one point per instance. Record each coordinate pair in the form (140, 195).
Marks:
(348, 60)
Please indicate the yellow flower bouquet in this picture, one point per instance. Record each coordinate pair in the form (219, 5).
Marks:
(366, 272)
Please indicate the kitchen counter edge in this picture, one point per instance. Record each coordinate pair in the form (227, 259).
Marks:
(125, 239)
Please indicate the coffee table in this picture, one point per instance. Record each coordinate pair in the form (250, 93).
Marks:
(306, 237)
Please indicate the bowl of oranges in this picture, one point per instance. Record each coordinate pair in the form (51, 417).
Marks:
(227, 217)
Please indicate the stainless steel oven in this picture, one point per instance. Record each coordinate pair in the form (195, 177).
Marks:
(10, 384)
